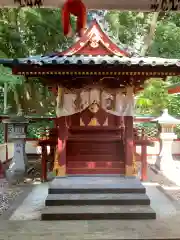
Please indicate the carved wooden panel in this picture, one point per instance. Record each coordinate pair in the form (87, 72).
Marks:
(94, 143)
(94, 148)
(95, 116)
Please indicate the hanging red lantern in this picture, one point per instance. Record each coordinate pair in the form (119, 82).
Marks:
(78, 9)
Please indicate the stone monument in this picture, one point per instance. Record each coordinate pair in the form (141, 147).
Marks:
(17, 135)
(165, 162)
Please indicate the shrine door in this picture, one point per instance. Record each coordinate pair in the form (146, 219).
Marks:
(95, 143)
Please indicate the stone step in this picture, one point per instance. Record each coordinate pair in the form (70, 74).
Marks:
(97, 199)
(96, 190)
(95, 185)
(97, 212)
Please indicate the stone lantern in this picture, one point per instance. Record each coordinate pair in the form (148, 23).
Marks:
(17, 134)
(165, 162)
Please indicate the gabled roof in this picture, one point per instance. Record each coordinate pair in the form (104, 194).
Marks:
(94, 42)
(98, 55)
(94, 47)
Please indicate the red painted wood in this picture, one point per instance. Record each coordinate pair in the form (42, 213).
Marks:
(144, 163)
(44, 163)
(99, 138)
(62, 137)
(128, 140)
(145, 142)
(2, 175)
(53, 79)
(95, 164)
(87, 50)
(137, 142)
(6, 139)
(143, 158)
(95, 149)
(174, 90)
(103, 44)
(95, 171)
(96, 158)
(91, 149)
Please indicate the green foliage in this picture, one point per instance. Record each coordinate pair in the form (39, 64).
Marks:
(26, 31)
(153, 99)
(174, 105)
(134, 29)
(167, 38)
(35, 130)
(7, 77)
(126, 26)
(150, 129)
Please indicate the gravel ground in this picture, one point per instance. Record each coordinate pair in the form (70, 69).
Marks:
(12, 196)
(8, 194)
(168, 187)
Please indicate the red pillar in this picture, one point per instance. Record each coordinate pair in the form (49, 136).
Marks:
(44, 163)
(2, 175)
(6, 139)
(143, 160)
(60, 158)
(55, 123)
(129, 145)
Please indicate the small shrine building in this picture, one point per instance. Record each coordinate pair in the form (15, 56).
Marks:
(95, 82)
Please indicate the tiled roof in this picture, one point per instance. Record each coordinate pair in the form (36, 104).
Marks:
(80, 60)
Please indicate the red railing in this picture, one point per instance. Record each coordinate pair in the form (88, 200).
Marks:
(138, 141)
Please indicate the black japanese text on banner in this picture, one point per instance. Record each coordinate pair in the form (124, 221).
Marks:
(134, 5)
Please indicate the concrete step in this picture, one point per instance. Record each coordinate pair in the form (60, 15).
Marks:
(78, 185)
(97, 199)
(97, 212)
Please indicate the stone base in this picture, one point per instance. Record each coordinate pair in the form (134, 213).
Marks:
(98, 212)
(96, 184)
(14, 177)
(171, 173)
(88, 198)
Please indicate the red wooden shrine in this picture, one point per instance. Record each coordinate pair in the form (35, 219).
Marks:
(94, 141)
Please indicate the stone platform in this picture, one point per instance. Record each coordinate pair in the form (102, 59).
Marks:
(97, 197)
(96, 184)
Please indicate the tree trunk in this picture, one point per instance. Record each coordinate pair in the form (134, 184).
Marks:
(59, 101)
(148, 39)
(5, 97)
(18, 102)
